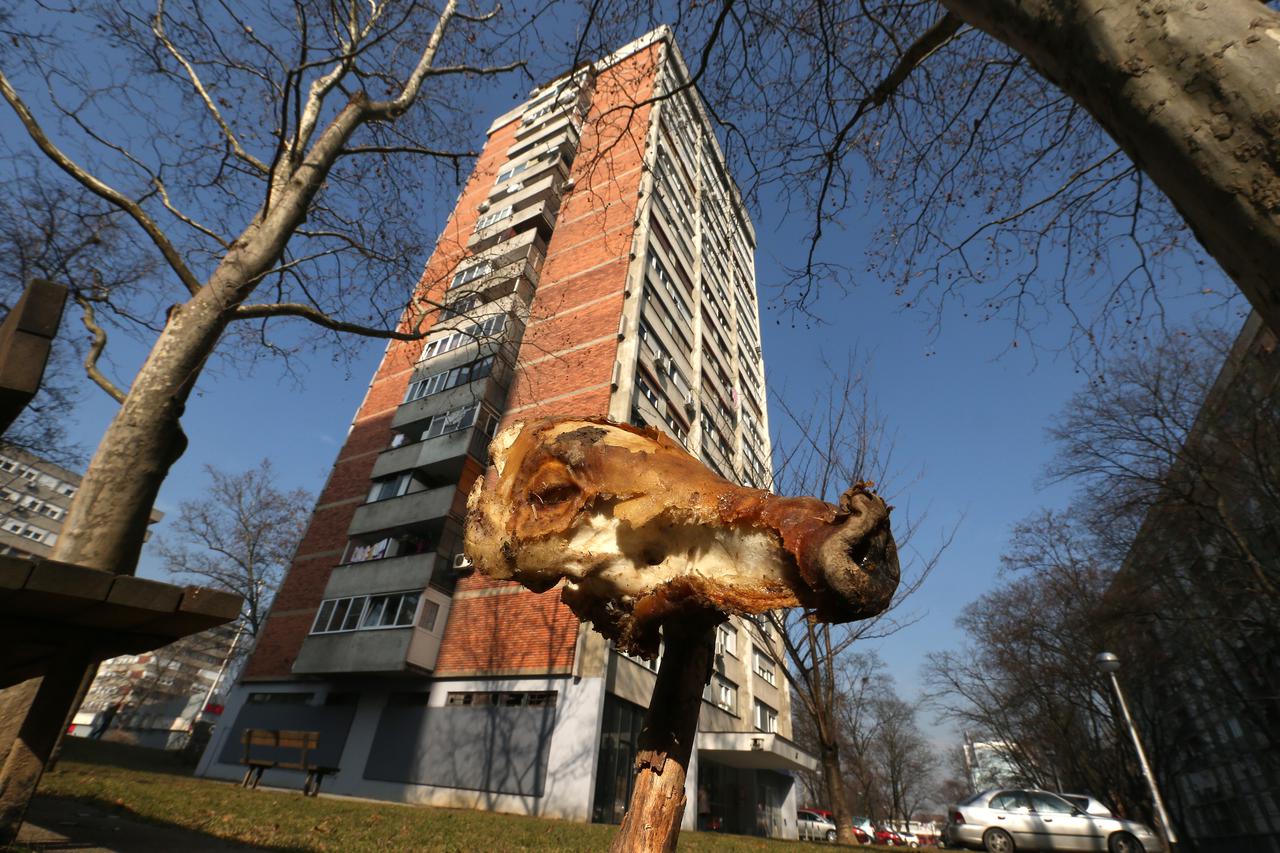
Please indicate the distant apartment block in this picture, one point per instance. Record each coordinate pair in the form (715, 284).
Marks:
(156, 698)
(34, 496)
(599, 261)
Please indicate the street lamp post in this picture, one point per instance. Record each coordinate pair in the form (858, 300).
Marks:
(1108, 663)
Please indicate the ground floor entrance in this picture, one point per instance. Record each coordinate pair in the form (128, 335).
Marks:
(740, 800)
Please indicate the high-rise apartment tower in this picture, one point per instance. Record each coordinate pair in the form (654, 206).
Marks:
(599, 261)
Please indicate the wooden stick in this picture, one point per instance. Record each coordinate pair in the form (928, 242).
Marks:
(653, 818)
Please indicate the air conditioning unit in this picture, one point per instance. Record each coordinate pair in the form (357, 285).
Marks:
(663, 364)
(570, 184)
(483, 207)
(690, 406)
(461, 562)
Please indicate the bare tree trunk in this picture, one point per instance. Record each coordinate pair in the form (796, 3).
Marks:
(652, 822)
(834, 782)
(1186, 88)
(107, 521)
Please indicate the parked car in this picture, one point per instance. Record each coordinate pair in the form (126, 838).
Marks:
(1006, 820)
(864, 830)
(1088, 804)
(909, 839)
(888, 837)
(815, 826)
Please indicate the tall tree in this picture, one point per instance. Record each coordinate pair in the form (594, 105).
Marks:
(1028, 682)
(904, 757)
(239, 537)
(1149, 435)
(1029, 160)
(267, 159)
(842, 438)
(63, 234)
(252, 149)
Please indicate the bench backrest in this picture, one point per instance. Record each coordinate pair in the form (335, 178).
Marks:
(284, 738)
(282, 747)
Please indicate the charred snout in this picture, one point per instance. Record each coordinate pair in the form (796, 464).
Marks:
(858, 561)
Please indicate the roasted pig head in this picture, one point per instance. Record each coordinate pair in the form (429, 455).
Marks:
(641, 532)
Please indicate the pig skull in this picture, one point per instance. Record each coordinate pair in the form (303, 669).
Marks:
(640, 532)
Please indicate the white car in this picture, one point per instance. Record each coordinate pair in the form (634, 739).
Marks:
(1005, 821)
(1088, 804)
(815, 826)
(908, 837)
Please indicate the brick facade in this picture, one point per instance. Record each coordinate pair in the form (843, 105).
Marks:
(565, 366)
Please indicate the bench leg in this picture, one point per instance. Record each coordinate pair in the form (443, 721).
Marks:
(248, 774)
(257, 776)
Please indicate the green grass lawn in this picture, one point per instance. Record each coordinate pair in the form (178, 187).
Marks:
(148, 786)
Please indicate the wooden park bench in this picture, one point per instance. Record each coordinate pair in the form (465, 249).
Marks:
(285, 750)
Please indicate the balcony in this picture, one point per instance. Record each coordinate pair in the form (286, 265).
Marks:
(564, 130)
(527, 246)
(539, 217)
(382, 651)
(439, 457)
(371, 577)
(406, 650)
(405, 510)
(491, 390)
(532, 190)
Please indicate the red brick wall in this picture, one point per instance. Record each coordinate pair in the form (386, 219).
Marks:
(326, 537)
(565, 367)
(566, 362)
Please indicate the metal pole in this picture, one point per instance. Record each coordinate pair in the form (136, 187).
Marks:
(1162, 816)
(222, 670)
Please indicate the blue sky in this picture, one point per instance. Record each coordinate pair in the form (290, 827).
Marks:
(968, 411)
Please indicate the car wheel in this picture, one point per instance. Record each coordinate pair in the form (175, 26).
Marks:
(1123, 842)
(998, 841)
(831, 836)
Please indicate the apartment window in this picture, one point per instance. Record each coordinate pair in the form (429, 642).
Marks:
(7, 464)
(430, 613)
(446, 379)
(460, 306)
(764, 666)
(511, 171)
(508, 699)
(766, 718)
(493, 218)
(646, 390)
(726, 695)
(673, 289)
(471, 273)
(390, 611)
(487, 328)
(390, 487)
(727, 640)
(366, 612)
(656, 309)
(722, 693)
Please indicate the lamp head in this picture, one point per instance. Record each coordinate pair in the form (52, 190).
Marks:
(1107, 662)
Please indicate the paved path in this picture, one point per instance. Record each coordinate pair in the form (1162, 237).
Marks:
(58, 824)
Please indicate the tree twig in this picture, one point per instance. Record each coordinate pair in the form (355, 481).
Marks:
(95, 349)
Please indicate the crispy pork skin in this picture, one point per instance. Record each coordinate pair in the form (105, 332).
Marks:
(640, 532)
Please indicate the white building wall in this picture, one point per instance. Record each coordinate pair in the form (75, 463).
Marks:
(571, 761)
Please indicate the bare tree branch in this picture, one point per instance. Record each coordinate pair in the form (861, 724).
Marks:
(95, 350)
(98, 187)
